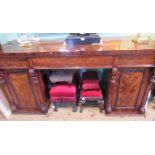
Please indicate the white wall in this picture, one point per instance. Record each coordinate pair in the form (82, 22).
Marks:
(4, 37)
(4, 105)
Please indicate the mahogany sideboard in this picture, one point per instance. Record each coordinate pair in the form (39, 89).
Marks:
(131, 76)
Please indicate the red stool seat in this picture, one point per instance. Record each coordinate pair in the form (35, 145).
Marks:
(90, 80)
(63, 93)
(91, 93)
(90, 84)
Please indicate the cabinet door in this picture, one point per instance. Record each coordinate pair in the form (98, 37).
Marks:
(26, 92)
(128, 89)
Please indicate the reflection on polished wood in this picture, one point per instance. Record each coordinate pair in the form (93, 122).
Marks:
(111, 44)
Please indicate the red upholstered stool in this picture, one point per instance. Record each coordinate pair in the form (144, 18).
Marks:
(63, 93)
(91, 90)
(65, 85)
(91, 93)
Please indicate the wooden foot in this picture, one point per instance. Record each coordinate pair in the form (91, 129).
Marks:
(13, 107)
(101, 105)
(142, 110)
(82, 102)
(74, 108)
(43, 108)
(108, 109)
(56, 106)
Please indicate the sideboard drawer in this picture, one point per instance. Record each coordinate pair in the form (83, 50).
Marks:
(73, 62)
(141, 60)
(13, 63)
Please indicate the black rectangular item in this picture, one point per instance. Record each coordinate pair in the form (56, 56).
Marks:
(82, 39)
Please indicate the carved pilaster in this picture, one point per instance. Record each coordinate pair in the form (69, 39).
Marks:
(148, 88)
(114, 74)
(2, 80)
(111, 89)
(152, 80)
(33, 76)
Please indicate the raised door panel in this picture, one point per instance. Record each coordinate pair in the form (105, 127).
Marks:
(23, 91)
(129, 87)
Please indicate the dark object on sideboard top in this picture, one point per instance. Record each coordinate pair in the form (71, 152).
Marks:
(82, 39)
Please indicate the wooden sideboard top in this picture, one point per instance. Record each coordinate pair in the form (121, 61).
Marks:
(120, 44)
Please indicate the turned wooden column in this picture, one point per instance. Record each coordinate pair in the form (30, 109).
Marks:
(111, 90)
(150, 84)
(37, 85)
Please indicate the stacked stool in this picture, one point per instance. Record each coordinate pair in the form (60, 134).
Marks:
(90, 90)
(64, 92)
